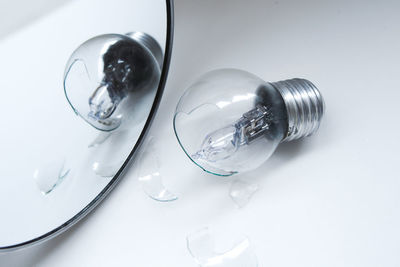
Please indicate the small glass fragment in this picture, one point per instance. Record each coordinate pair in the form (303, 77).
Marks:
(149, 174)
(100, 139)
(106, 170)
(201, 246)
(241, 192)
(50, 175)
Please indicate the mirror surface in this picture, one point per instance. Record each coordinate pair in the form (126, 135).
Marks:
(79, 81)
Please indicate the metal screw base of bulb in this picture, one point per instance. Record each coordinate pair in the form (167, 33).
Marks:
(150, 43)
(304, 104)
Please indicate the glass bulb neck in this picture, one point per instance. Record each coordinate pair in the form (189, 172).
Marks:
(304, 104)
(253, 124)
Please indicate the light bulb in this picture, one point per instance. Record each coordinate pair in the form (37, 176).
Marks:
(106, 71)
(231, 121)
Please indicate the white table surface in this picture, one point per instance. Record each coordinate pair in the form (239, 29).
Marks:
(329, 200)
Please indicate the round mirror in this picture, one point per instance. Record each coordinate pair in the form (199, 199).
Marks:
(81, 81)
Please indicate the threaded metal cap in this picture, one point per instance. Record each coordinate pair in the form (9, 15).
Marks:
(305, 107)
(150, 43)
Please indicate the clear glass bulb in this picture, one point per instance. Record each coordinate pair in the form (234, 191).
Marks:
(106, 72)
(231, 121)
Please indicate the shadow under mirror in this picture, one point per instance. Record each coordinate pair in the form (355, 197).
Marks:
(81, 82)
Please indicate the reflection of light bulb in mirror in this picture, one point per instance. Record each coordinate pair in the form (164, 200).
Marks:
(231, 121)
(105, 71)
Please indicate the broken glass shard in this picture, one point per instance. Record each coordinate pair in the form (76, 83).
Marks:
(106, 169)
(50, 175)
(100, 139)
(202, 248)
(149, 174)
(241, 192)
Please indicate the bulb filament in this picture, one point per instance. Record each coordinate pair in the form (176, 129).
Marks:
(223, 143)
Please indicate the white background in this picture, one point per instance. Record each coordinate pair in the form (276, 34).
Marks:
(18, 13)
(329, 200)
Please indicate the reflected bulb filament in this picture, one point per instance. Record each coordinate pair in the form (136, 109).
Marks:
(109, 71)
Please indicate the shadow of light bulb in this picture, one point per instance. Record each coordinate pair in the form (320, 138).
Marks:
(108, 74)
